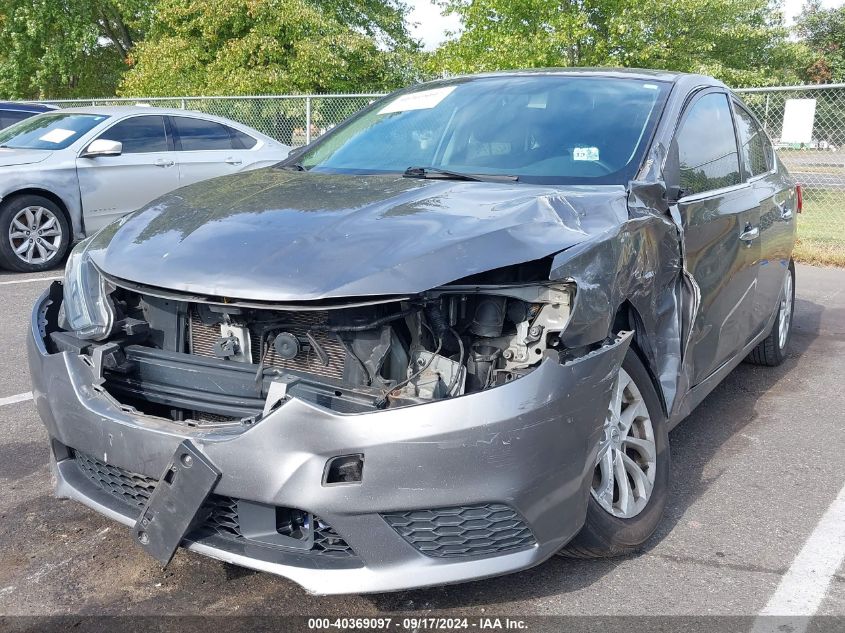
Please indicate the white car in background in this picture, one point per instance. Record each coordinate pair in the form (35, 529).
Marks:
(67, 173)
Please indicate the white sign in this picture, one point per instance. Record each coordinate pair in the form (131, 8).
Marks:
(423, 100)
(798, 118)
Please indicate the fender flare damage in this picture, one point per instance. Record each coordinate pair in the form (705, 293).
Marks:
(639, 262)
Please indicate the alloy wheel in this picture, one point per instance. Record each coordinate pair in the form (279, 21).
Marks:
(623, 479)
(35, 235)
(785, 311)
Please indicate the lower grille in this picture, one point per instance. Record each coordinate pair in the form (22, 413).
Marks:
(204, 336)
(487, 529)
(328, 542)
(129, 487)
(222, 516)
(218, 515)
(203, 417)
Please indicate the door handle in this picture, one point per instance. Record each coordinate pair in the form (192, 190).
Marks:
(233, 161)
(750, 234)
(163, 162)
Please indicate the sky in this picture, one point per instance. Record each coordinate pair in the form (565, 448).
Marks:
(431, 27)
(791, 8)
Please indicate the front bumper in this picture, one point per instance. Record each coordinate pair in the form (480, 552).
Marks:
(528, 445)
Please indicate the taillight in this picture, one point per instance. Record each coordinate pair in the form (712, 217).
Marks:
(799, 195)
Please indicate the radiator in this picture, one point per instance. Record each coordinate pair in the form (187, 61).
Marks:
(203, 337)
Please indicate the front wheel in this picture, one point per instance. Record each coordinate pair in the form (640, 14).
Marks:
(34, 234)
(631, 477)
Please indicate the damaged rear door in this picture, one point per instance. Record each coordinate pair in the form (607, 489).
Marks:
(720, 217)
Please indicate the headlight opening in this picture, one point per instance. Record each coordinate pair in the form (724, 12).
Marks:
(88, 309)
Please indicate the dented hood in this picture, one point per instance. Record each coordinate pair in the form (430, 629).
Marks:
(276, 235)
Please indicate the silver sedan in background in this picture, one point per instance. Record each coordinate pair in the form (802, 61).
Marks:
(66, 174)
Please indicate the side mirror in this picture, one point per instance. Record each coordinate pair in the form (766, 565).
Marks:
(103, 147)
(297, 151)
(675, 193)
(672, 174)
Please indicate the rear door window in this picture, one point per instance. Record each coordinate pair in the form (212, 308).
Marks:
(140, 135)
(757, 153)
(707, 146)
(202, 135)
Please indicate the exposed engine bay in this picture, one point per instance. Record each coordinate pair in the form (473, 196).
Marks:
(204, 362)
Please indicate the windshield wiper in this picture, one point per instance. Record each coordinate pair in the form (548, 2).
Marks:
(425, 172)
(293, 167)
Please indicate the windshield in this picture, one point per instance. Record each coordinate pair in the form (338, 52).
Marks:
(544, 129)
(49, 131)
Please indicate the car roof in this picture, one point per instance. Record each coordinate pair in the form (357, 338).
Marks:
(26, 107)
(619, 73)
(121, 110)
(131, 110)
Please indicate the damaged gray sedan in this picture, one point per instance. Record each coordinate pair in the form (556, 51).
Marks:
(444, 342)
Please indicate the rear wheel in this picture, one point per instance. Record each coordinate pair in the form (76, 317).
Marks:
(772, 350)
(631, 477)
(34, 234)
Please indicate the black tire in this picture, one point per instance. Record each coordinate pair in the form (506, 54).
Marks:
(8, 210)
(604, 534)
(771, 352)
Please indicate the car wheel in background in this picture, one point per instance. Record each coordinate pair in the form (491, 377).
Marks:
(772, 350)
(631, 478)
(34, 234)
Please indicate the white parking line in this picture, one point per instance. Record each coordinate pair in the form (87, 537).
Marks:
(21, 397)
(27, 281)
(802, 589)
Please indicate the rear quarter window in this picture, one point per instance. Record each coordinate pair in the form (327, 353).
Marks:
(242, 140)
(757, 153)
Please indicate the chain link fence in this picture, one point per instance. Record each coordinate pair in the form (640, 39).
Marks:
(807, 126)
(292, 119)
(806, 123)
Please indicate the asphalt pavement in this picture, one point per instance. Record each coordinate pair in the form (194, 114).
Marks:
(757, 470)
(819, 180)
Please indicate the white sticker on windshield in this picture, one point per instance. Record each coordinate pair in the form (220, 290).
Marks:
(57, 135)
(538, 101)
(585, 153)
(422, 100)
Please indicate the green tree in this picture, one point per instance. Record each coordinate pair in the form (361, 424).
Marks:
(67, 48)
(823, 33)
(739, 41)
(214, 47)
